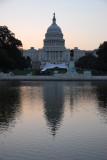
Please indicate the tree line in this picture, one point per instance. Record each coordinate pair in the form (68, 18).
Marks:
(11, 51)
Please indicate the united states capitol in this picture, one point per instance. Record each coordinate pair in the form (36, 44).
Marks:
(54, 53)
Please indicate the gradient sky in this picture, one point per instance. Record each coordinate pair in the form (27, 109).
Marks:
(83, 22)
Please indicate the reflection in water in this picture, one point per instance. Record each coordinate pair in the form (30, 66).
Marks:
(53, 95)
(90, 93)
(31, 94)
(9, 104)
(79, 93)
(28, 108)
(101, 92)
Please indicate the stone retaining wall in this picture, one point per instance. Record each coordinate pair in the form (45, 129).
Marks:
(54, 78)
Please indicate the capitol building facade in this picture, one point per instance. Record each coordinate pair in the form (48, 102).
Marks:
(53, 51)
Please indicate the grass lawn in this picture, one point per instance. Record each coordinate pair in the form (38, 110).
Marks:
(24, 72)
(34, 72)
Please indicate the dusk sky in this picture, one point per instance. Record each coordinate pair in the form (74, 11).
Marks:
(83, 22)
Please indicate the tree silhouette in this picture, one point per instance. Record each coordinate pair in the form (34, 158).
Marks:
(102, 57)
(86, 62)
(10, 51)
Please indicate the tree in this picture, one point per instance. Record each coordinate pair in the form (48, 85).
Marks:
(10, 50)
(28, 62)
(102, 57)
(86, 62)
(71, 53)
(5, 61)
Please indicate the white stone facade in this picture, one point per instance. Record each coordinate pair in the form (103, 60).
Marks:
(54, 50)
(32, 53)
(80, 53)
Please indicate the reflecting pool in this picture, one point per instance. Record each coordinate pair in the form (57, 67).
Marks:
(53, 120)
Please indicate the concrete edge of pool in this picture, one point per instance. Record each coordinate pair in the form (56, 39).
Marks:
(53, 78)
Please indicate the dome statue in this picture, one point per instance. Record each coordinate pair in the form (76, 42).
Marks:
(54, 27)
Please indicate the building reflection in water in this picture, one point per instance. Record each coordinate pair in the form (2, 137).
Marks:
(9, 104)
(53, 95)
(51, 98)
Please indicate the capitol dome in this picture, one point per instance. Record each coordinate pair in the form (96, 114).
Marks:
(54, 27)
(54, 36)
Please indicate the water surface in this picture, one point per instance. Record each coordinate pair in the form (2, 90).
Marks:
(53, 120)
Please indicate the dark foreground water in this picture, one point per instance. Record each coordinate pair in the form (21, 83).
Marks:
(53, 120)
